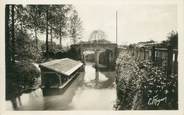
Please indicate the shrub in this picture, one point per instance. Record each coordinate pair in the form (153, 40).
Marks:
(27, 48)
(142, 85)
(23, 77)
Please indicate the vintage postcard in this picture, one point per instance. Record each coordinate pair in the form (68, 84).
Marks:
(80, 57)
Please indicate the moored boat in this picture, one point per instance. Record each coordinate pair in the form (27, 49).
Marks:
(58, 74)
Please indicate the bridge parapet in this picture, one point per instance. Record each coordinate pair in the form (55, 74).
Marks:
(96, 46)
(112, 47)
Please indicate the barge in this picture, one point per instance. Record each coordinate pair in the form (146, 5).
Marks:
(57, 75)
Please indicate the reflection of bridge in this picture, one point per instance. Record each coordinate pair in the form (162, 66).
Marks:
(109, 52)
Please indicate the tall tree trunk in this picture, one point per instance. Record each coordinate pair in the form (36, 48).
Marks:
(60, 38)
(21, 25)
(36, 38)
(74, 40)
(51, 45)
(13, 33)
(14, 103)
(74, 36)
(7, 37)
(47, 48)
(51, 34)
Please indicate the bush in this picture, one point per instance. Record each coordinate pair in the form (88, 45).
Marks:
(23, 77)
(141, 85)
(27, 48)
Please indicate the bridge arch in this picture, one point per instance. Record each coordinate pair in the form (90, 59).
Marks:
(101, 50)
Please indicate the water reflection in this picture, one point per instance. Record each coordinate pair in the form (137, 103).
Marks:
(85, 93)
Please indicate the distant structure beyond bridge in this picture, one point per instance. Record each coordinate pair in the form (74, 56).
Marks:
(109, 49)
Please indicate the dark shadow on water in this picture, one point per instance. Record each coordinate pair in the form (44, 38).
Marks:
(62, 101)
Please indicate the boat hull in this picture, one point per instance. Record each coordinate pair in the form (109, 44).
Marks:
(60, 90)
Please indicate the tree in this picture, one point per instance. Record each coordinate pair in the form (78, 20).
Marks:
(47, 29)
(7, 36)
(27, 48)
(173, 39)
(35, 19)
(19, 22)
(61, 27)
(13, 33)
(75, 27)
(21, 18)
(97, 35)
(60, 21)
(40, 15)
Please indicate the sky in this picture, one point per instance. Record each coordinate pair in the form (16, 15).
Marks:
(136, 22)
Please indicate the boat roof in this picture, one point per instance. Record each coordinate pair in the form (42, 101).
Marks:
(65, 66)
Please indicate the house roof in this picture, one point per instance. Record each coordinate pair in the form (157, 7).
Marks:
(64, 66)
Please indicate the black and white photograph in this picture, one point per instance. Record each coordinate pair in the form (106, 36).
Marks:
(96, 57)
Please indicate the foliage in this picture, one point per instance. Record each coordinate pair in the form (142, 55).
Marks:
(21, 18)
(35, 16)
(22, 77)
(26, 48)
(75, 27)
(141, 85)
(62, 20)
(26, 74)
(21, 47)
(172, 40)
(158, 84)
(52, 47)
(97, 35)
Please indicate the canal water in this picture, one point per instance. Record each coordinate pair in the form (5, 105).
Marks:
(85, 93)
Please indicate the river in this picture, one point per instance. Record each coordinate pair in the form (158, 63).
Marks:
(85, 93)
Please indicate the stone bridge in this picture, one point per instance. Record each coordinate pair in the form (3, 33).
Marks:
(109, 52)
